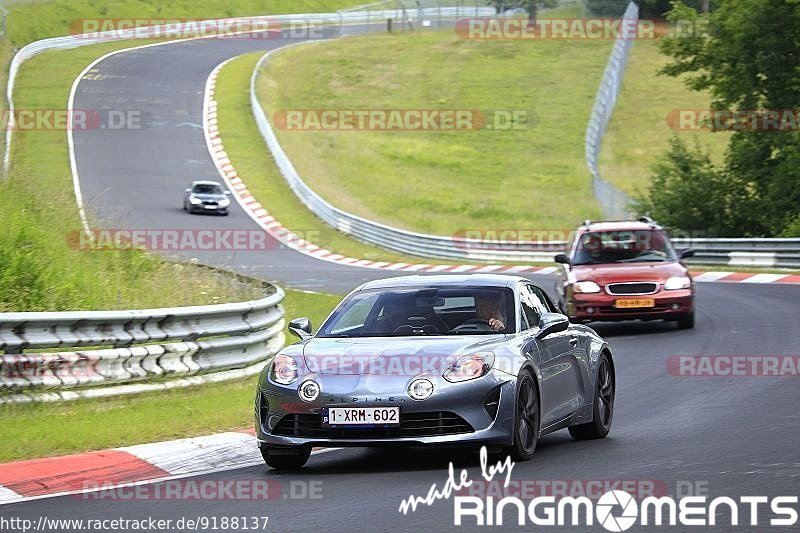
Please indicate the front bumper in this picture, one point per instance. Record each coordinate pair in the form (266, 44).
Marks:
(282, 419)
(669, 305)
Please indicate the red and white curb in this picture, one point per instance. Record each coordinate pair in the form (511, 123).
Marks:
(128, 466)
(261, 216)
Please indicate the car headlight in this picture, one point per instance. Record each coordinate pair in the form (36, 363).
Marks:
(224, 202)
(586, 287)
(469, 367)
(194, 200)
(677, 282)
(284, 369)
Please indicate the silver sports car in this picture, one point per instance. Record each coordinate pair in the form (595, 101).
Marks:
(427, 360)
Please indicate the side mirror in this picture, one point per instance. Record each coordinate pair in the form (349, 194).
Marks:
(551, 323)
(687, 253)
(562, 258)
(188, 190)
(228, 193)
(301, 327)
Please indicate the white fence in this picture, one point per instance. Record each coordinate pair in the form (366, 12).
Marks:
(614, 202)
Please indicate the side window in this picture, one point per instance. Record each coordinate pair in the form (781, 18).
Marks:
(545, 302)
(530, 308)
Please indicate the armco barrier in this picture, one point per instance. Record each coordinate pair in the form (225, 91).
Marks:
(43, 351)
(379, 234)
(777, 253)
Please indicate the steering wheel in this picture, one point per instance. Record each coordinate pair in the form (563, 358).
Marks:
(475, 324)
(418, 325)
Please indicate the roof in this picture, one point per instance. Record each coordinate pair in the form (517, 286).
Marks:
(206, 182)
(454, 280)
(620, 226)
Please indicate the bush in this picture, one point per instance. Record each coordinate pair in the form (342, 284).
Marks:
(689, 193)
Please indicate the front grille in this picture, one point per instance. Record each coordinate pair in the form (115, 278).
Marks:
(632, 288)
(411, 425)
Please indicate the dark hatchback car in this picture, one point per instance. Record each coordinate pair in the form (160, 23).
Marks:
(206, 197)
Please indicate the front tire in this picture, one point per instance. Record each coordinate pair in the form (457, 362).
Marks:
(526, 418)
(603, 409)
(686, 321)
(286, 458)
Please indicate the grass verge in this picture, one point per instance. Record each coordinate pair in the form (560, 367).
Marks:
(246, 149)
(41, 269)
(638, 134)
(30, 21)
(49, 429)
(444, 182)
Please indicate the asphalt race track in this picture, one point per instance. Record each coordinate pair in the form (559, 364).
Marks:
(736, 436)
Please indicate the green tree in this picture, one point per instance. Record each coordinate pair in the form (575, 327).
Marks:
(746, 53)
(687, 192)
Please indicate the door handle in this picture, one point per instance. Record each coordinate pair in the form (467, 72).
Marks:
(573, 342)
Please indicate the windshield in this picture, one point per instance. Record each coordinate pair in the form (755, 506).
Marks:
(600, 247)
(207, 188)
(423, 311)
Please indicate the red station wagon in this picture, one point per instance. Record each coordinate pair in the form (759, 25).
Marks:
(623, 271)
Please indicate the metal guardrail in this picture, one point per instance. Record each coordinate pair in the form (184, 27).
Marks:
(94, 352)
(777, 253)
(614, 202)
(74, 41)
(375, 233)
(407, 242)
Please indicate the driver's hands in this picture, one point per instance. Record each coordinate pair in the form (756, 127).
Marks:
(496, 324)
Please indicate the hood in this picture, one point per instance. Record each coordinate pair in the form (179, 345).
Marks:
(628, 272)
(209, 197)
(408, 356)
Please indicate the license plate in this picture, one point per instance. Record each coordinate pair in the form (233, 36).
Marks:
(361, 416)
(635, 303)
(212, 207)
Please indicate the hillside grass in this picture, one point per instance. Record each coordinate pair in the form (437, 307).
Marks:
(638, 134)
(31, 21)
(444, 182)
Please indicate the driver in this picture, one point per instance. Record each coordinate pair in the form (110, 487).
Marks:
(488, 308)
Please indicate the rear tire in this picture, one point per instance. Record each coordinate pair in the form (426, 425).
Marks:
(686, 321)
(603, 408)
(286, 458)
(526, 418)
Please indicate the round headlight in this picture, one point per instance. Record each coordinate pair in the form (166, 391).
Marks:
(284, 369)
(308, 391)
(420, 389)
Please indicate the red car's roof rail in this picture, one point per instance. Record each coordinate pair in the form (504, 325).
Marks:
(643, 220)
